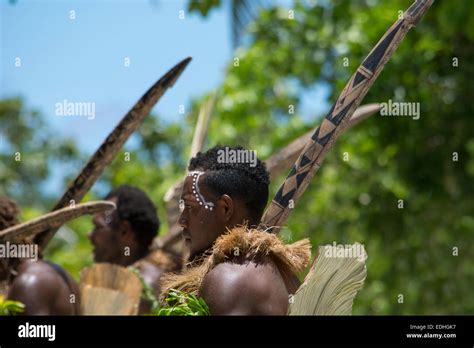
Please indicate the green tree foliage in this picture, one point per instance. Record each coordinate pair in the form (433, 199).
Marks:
(412, 251)
(241, 12)
(27, 155)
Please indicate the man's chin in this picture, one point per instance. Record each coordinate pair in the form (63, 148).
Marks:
(193, 253)
(97, 258)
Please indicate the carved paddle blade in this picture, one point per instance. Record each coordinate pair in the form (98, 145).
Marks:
(113, 143)
(54, 220)
(326, 134)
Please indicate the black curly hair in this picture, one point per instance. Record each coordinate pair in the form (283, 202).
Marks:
(134, 206)
(238, 180)
(9, 212)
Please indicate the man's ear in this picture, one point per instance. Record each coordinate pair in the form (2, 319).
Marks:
(227, 207)
(126, 229)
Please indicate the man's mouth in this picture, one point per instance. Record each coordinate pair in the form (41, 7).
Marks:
(186, 235)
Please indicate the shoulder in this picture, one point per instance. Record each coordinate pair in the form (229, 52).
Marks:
(247, 288)
(37, 285)
(32, 273)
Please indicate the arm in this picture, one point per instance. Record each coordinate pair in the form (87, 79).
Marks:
(38, 291)
(151, 275)
(245, 289)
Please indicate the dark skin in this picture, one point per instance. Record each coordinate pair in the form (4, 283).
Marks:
(43, 291)
(116, 243)
(36, 284)
(237, 287)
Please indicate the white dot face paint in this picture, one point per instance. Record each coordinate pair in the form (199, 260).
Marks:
(197, 193)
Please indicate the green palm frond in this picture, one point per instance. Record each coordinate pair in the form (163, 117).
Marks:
(9, 307)
(180, 304)
(242, 13)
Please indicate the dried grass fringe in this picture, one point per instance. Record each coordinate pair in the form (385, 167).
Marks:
(251, 243)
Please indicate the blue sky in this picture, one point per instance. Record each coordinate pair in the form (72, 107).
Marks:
(82, 60)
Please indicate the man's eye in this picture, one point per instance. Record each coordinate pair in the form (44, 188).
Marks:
(183, 205)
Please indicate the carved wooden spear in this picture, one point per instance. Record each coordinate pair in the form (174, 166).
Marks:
(326, 134)
(53, 220)
(282, 159)
(168, 240)
(112, 144)
(275, 166)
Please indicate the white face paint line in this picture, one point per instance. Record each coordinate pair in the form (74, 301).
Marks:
(197, 193)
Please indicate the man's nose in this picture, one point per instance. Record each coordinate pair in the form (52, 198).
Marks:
(182, 221)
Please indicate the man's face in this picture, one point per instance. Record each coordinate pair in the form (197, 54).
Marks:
(201, 225)
(105, 239)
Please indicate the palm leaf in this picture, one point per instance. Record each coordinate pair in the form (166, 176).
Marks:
(242, 13)
(180, 303)
(9, 307)
(332, 283)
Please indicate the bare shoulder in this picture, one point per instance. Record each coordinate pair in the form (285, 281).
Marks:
(247, 288)
(34, 273)
(37, 285)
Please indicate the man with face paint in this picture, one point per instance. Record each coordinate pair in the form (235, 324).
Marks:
(237, 269)
(125, 237)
